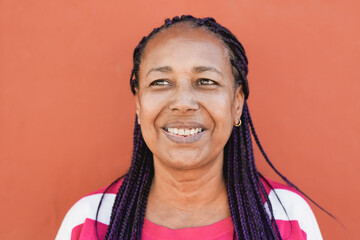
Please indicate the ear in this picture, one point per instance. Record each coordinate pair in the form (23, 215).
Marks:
(137, 103)
(238, 103)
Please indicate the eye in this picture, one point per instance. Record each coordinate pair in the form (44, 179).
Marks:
(208, 82)
(160, 82)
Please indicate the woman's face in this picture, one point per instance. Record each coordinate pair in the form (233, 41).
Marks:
(186, 101)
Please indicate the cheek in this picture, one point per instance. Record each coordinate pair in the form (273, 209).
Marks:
(151, 106)
(221, 108)
(223, 117)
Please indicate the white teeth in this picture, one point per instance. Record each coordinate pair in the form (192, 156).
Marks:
(184, 132)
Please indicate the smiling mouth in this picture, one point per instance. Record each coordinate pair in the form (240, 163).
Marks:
(184, 135)
(185, 132)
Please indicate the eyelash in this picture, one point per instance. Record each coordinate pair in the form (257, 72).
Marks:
(208, 80)
(161, 81)
(164, 82)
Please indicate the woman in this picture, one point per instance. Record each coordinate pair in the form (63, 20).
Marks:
(193, 174)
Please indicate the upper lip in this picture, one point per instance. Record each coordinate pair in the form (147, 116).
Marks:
(182, 124)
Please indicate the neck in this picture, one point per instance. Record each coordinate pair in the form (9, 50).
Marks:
(187, 198)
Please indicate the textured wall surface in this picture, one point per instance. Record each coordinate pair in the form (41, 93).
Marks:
(67, 113)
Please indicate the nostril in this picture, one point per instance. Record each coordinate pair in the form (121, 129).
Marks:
(184, 104)
(184, 98)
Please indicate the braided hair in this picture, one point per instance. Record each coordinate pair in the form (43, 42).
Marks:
(245, 190)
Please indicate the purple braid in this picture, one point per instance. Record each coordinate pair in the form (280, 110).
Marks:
(238, 220)
(245, 190)
(130, 202)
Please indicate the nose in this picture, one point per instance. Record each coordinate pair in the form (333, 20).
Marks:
(184, 99)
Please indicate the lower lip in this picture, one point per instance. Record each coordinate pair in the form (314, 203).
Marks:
(184, 139)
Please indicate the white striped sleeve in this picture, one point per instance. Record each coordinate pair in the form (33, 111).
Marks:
(86, 208)
(297, 209)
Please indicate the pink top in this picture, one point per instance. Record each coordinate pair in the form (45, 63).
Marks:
(223, 229)
(79, 223)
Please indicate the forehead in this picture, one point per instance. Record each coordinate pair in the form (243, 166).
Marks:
(183, 41)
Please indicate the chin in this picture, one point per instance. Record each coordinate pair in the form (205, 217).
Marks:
(185, 161)
(186, 164)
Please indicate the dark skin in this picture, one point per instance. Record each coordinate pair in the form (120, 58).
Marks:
(187, 104)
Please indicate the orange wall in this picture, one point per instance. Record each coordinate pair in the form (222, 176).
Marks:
(66, 111)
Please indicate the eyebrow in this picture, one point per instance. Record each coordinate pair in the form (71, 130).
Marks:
(199, 69)
(165, 69)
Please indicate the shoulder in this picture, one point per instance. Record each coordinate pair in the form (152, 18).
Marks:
(290, 205)
(85, 209)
